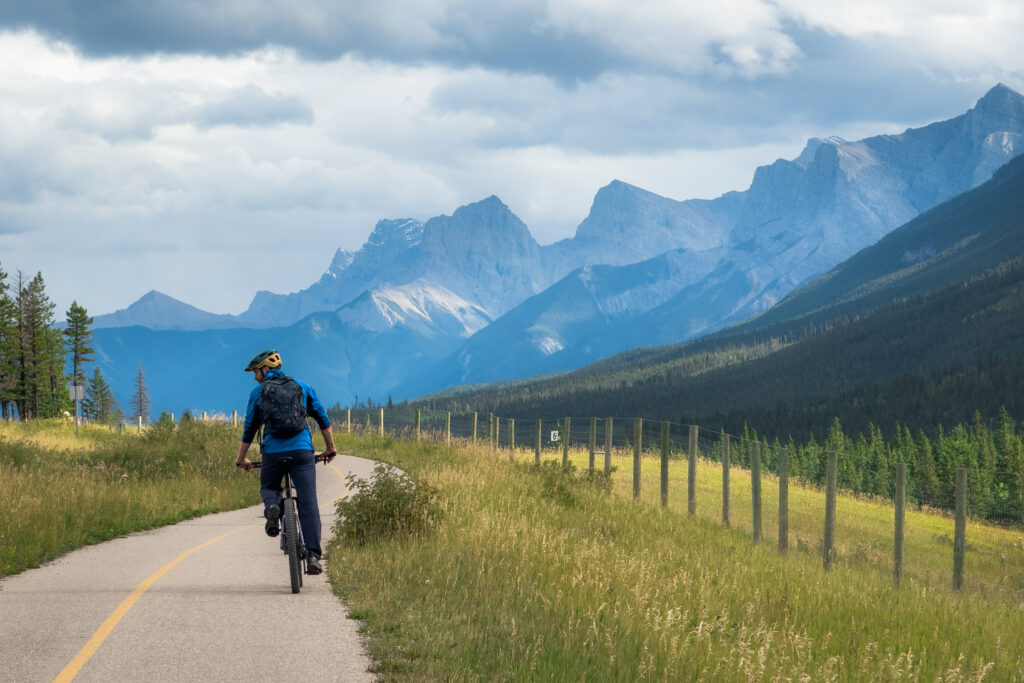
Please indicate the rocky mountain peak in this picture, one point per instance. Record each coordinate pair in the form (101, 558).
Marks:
(396, 230)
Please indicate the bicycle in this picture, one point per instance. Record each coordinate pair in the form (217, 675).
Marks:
(291, 531)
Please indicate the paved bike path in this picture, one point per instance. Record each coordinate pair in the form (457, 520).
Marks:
(222, 610)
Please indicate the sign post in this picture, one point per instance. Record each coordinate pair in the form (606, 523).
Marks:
(77, 392)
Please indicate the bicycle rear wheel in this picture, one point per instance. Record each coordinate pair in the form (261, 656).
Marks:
(291, 544)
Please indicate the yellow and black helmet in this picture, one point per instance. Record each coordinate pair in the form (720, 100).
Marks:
(264, 359)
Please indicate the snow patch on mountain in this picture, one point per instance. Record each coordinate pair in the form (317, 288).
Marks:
(416, 303)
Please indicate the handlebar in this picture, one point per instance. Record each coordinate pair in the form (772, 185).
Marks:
(318, 457)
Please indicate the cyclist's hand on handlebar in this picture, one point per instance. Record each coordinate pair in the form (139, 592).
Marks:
(327, 456)
(244, 463)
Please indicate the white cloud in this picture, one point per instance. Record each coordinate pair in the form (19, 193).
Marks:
(120, 173)
(962, 38)
(679, 35)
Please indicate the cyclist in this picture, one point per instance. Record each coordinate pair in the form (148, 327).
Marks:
(280, 404)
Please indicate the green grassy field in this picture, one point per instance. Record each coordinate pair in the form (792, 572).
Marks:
(59, 492)
(518, 583)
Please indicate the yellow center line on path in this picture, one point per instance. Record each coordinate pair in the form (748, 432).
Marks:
(90, 648)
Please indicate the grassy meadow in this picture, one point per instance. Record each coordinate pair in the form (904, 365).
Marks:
(533, 576)
(59, 492)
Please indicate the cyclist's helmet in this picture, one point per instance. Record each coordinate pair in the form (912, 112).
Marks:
(264, 359)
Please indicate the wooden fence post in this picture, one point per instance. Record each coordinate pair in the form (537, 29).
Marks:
(512, 439)
(234, 418)
(490, 430)
(348, 420)
(565, 442)
(691, 473)
(448, 429)
(726, 455)
(140, 424)
(901, 505)
(592, 443)
(609, 427)
(828, 552)
(664, 464)
(783, 501)
(417, 425)
(536, 458)
(474, 428)
(755, 487)
(960, 528)
(638, 434)
(497, 432)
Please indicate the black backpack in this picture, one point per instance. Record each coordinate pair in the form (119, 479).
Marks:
(284, 406)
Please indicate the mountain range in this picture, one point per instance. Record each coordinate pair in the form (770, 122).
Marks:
(923, 328)
(472, 297)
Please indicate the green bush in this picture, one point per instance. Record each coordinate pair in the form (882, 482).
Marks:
(391, 504)
(558, 481)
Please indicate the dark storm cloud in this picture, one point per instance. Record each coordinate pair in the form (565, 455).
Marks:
(500, 37)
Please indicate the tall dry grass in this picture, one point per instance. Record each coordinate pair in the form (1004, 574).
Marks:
(519, 583)
(59, 491)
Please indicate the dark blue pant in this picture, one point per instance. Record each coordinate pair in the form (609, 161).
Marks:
(303, 471)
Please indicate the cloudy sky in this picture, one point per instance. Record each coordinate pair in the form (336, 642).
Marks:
(211, 149)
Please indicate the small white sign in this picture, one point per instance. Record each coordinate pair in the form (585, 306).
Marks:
(554, 435)
(76, 391)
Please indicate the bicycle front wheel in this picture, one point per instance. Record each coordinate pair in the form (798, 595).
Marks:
(291, 543)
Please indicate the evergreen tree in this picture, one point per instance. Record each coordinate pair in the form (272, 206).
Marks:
(78, 336)
(99, 404)
(56, 399)
(34, 381)
(8, 349)
(140, 399)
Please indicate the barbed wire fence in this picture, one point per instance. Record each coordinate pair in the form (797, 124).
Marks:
(624, 443)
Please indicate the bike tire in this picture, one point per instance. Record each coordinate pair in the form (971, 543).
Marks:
(291, 544)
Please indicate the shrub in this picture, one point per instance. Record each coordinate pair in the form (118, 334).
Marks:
(558, 481)
(390, 504)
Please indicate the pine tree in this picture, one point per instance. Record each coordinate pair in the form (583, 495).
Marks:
(99, 404)
(140, 399)
(8, 349)
(35, 315)
(78, 337)
(56, 399)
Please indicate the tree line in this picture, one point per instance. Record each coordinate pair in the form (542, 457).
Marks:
(38, 362)
(992, 454)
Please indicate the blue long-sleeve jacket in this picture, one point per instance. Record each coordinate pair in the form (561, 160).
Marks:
(271, 444)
